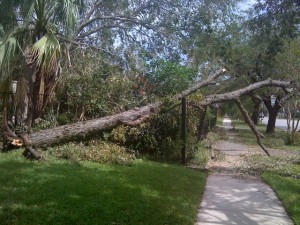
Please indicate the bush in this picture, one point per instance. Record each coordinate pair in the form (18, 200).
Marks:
(200, 155)
(159, 137)
(96, 151)
(64, 118)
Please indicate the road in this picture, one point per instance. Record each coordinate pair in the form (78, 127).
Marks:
(280, 123)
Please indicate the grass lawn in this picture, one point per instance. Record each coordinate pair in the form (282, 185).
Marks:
(288, 190)
(60, 192)
(276, 140)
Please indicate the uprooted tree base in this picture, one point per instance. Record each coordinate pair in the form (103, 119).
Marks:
(11, 141)
(86, 129)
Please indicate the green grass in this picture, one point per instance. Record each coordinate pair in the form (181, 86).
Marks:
(61, 192)
(276, 140)
(288, 190)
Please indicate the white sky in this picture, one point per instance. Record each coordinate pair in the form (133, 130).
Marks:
(246, 4)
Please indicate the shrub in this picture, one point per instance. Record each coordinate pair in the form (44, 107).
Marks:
(158, 138)
(96, 151)
(200, 155)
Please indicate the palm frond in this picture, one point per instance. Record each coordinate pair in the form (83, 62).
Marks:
(27, 8)
(46, 53)
(7, 53)
(69, 12)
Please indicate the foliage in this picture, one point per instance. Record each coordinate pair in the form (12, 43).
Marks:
(160, 136)
(37, 37)
(96, 151)
(168, 77)
(201, 155)
(205, 30)
(288, 65)
(201, 150)
(288, 62)
(57, 192)
(93, 88)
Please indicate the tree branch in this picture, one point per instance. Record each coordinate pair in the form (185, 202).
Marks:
(63, 38)
(210, 80)
(92, 10)
(248, 120)
(211, 99)
(116, 18)
(86, 34)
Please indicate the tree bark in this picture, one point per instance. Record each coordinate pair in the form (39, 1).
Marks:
(273, 111)
(85, 129)
(248, 120)
(229, 96)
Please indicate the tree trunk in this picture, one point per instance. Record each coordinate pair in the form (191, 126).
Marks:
(200, 128)
(273, 111)
(85, 129)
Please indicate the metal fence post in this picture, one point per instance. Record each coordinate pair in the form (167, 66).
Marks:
(183, 130)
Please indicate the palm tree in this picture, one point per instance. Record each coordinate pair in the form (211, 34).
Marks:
(32, 48)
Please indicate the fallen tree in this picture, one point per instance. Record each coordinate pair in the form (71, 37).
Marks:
(85, 129)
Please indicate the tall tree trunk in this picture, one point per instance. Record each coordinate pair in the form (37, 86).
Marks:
(273, 111)
(41, 84)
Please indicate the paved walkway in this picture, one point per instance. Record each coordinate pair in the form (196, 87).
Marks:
(242, 201)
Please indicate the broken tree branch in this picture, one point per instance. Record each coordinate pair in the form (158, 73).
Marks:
(208, 81)
(248, 120)
(211, 99)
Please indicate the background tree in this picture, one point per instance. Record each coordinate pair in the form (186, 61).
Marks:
(288, 66)
(270, 25)
(30, 39)
(41, 35)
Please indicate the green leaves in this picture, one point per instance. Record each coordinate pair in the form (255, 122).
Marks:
(169, 78)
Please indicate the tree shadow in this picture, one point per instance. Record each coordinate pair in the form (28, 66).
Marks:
(61, 193)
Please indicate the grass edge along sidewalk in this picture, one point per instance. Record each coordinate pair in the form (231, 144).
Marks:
(288, 191)
(59, 192)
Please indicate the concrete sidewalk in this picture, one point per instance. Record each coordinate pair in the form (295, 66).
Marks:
(228, 200)
(238, 201)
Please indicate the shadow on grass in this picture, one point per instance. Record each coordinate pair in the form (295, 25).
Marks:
(60, 193)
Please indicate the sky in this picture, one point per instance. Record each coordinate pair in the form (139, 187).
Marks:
(246, 4)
